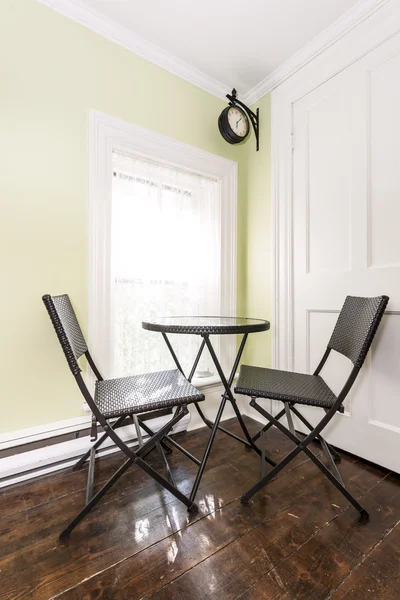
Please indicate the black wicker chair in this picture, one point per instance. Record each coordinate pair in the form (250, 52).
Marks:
(117, 400)
(353, 334)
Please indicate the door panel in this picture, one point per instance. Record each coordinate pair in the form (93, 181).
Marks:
(328, 250)
(346, 216)
(384, 406)
(384, 124)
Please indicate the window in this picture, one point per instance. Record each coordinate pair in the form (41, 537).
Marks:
(162, 242)
(165, 260)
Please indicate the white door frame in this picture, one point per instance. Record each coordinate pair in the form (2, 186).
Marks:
(373, 31)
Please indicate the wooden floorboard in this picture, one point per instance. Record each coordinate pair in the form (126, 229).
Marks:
(298, 538)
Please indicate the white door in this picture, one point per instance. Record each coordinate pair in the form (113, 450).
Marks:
(346, 240)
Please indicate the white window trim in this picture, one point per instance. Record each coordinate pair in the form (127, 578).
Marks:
(106, 134)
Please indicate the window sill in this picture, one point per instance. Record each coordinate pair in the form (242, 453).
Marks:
(205, 383)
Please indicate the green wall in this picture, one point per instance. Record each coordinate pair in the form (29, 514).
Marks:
(255, 264)
(53, 71)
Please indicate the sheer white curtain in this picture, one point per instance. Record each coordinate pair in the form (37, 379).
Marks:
(165, 260)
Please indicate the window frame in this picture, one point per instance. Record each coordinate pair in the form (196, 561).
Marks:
(107, 134)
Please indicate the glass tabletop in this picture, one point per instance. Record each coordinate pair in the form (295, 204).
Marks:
(202, 324)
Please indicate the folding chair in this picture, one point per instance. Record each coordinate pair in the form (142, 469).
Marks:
(352, 336)
(117, 400)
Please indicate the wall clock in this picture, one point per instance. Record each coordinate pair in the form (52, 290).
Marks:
(234, 121)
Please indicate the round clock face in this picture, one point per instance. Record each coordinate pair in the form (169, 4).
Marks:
(238, 121)
(233, 124)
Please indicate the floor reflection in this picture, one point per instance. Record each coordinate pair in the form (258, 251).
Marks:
(172, 552)
(142, 529)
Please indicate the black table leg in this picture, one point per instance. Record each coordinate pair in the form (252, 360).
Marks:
(209, 423)
(248, 442)
(228, 393)
(208, 449)
(170, 348)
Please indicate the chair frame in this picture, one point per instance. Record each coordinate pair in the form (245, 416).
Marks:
(315, 432)
(134, 455)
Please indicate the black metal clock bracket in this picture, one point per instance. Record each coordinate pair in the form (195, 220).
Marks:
(254, 117)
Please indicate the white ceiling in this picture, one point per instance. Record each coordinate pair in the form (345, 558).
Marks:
(220, 44)
(235, 42)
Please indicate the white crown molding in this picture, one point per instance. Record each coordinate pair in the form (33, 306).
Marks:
(93, 20)
(350, 19)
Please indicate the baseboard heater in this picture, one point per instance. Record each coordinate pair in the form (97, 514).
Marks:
(52, 454)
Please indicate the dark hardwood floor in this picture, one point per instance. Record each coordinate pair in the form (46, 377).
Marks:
(298, 539)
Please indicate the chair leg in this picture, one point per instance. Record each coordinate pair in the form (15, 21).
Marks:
(181, 449)
(264, 480)
(94, 500)
(263, 468)
(300, 446)
(165, 463)
(331, 460)
(100, 441)
(326, 448)
(332, 451)
(90, 479)
(155, 441)
(138, 432)
(149, 431)
(267, 426)
(138, 458)
(166, 484)
(289, 419)
(338, 484)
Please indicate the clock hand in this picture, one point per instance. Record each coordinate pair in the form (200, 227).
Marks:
(238, 121)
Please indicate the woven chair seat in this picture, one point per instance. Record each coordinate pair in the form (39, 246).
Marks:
(141, 393)
(298, 388)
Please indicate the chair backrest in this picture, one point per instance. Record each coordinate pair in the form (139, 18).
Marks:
(67, 328)
(356, 327)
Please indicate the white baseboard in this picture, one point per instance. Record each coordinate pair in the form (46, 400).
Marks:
(22, 437)
(27, 465)
(54, 457)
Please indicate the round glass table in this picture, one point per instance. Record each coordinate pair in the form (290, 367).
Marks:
(205, 327)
